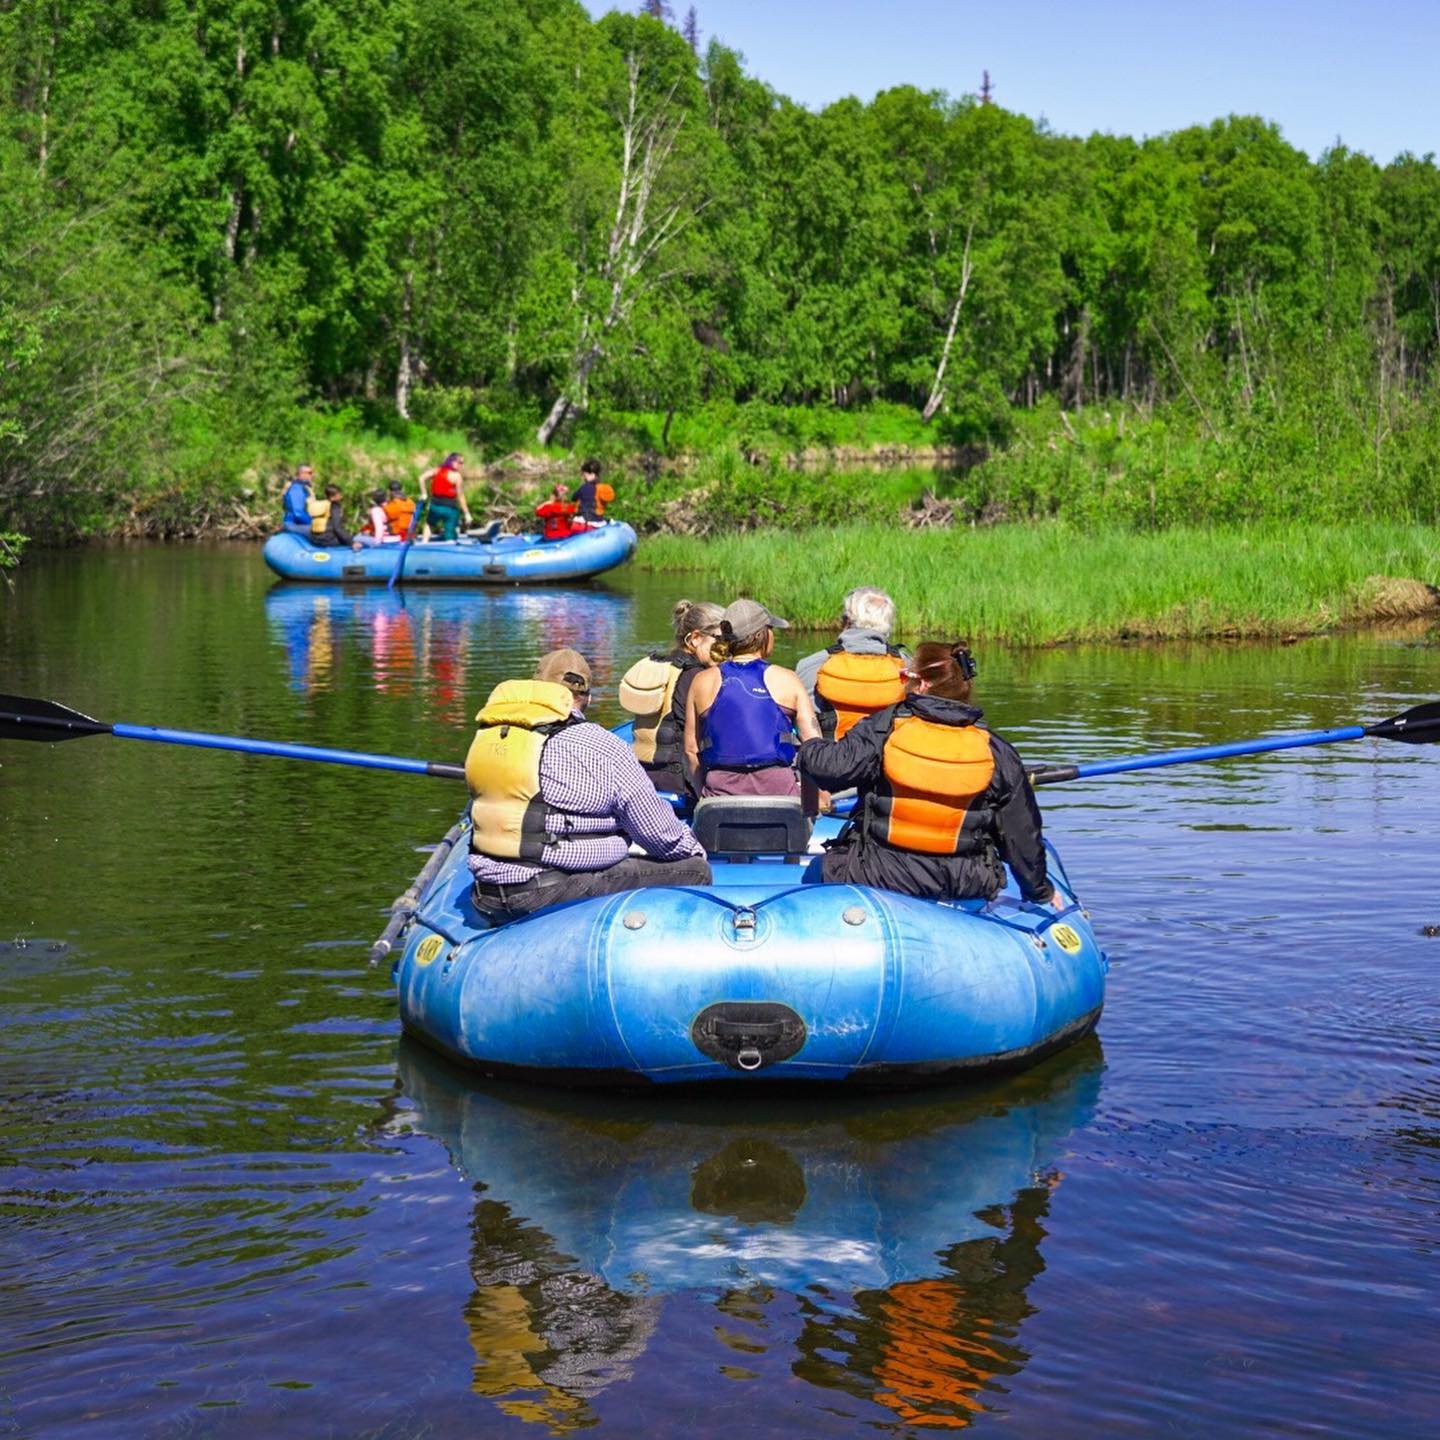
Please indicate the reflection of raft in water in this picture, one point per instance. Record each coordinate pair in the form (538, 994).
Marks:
(764, 975)
(507, 560)
(909, 1230)
(866, 1192)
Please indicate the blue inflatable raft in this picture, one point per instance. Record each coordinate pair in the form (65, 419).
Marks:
(764, 976)
(505, 560)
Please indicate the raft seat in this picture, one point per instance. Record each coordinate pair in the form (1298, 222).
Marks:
(751, 825)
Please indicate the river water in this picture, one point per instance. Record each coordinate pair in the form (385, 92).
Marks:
(232, 1202)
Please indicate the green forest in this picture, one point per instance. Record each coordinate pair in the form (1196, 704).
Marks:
(233, 231)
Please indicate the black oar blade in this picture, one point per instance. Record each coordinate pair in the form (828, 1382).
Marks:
(23, 718)
(1420, 726)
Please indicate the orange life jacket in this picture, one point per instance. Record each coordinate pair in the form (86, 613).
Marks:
(934, 775)
(850, 687)
(399, 511)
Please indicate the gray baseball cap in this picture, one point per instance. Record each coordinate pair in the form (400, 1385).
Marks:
(748, 617)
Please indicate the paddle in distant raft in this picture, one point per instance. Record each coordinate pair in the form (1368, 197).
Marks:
(23, 718)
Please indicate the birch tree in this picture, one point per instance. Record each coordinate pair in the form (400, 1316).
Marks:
(658, 184)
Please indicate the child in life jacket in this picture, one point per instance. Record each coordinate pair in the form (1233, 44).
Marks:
(557, 514)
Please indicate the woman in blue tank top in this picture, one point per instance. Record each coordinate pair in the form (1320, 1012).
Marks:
(742, 715)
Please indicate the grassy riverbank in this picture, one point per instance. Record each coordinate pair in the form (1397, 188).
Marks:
(1052, 583)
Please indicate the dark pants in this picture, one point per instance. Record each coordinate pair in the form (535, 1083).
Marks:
(444, 520)
(635, 872)
(937, 877)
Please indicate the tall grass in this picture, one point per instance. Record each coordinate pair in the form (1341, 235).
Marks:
(1050, 583)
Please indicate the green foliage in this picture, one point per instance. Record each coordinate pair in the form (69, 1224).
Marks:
(219, 218)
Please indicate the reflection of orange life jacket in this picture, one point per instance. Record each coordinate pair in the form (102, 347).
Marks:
(442, 484)
(931, 1372)
(850, 687)
(933, 775)
(399, 511)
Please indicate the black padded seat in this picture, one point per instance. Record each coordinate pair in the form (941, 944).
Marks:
(751, 825)
(488, 533)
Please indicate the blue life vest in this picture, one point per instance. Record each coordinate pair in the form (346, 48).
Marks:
(745, 729)
(296, 494)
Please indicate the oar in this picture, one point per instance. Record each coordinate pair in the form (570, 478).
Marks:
(22, 718)
(1419, 726)
(404, 548)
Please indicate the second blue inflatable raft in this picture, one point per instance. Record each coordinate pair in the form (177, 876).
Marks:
(506, 560)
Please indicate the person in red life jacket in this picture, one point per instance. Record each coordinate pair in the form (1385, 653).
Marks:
(943, 801)
(862, 672)
(557, 801)
(656, 688)
(741, 714)
(446, 496)
(556, 514)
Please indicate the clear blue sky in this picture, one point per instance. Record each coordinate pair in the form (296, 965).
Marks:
(1367, 72)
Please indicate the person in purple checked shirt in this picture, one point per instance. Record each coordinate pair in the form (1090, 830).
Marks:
(558, 802)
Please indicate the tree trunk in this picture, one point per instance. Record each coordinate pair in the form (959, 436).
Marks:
(570, 401)
(937, 390)
(405, 371)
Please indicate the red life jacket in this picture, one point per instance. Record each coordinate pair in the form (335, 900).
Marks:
(442, 484)
(555, 519)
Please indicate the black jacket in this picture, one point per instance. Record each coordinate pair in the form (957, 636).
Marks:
(667, 770)
(858, 760)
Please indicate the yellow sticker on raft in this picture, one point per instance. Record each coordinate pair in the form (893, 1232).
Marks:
(429, 949)
(1066, 939)
(533, 555)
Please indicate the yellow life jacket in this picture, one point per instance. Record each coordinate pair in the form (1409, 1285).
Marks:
(648, 692)
(850, 687)
(319, 512)
(933, 776)
(502, 768)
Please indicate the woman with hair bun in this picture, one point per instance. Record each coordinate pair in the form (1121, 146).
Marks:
(741, 715)
(942, 802)
(655, 689)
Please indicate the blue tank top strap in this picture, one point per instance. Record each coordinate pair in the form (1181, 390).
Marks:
(744, 728)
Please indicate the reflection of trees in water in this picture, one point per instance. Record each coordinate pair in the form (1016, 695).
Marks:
(932, 1350)
(548, 1337)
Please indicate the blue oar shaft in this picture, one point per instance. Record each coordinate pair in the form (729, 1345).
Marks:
(1219, 752)
(285, 751)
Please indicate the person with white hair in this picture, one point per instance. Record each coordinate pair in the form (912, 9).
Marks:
(862, 672)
